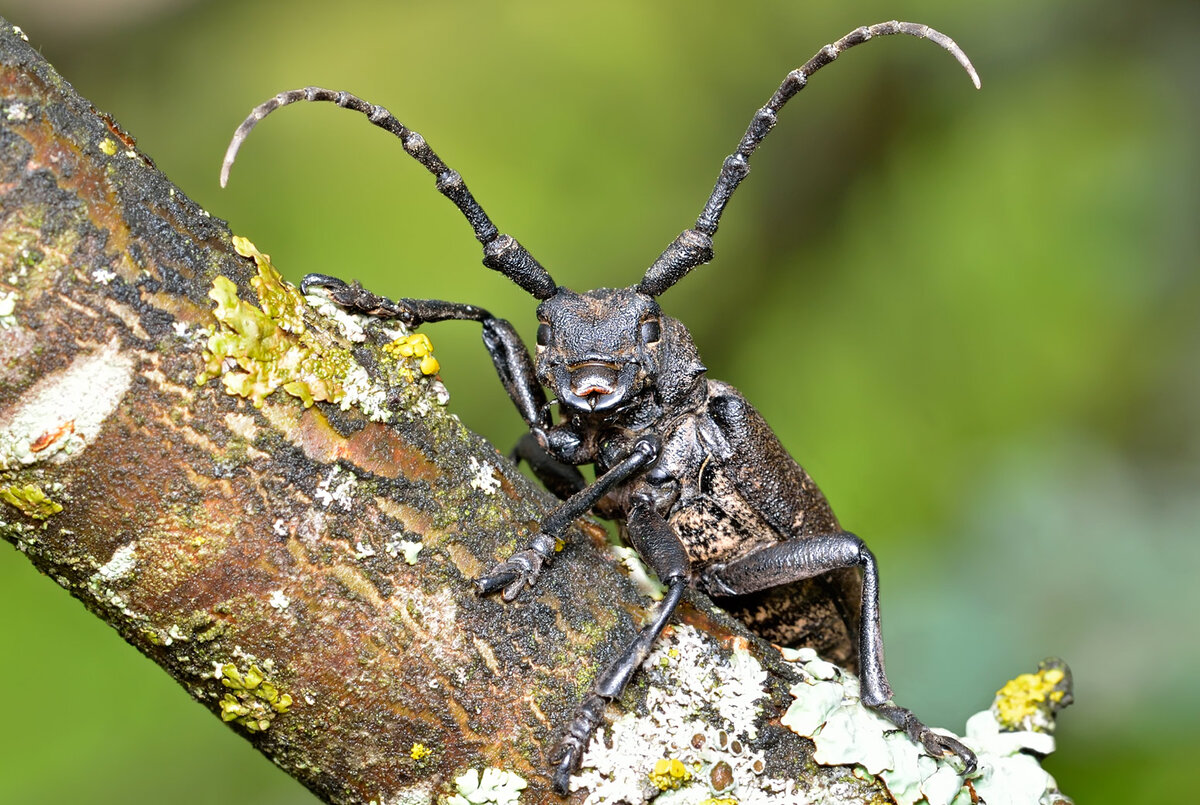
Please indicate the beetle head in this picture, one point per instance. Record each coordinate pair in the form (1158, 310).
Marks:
(604, 351)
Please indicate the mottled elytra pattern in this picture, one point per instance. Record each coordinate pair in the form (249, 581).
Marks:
(697, 480)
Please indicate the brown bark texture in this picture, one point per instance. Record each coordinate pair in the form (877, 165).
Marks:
(274, 508)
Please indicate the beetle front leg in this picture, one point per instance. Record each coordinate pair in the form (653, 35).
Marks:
(508, 351)
(808, 556)
(523, 568)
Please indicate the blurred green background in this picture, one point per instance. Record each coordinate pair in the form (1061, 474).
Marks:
(973, 316)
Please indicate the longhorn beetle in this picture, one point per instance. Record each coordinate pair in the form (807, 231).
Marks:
(699, 484)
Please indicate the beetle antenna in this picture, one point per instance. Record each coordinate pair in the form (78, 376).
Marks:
(500, 252)
(693, 247)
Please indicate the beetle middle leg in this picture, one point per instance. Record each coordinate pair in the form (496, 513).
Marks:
(509, 356)
(804, 557)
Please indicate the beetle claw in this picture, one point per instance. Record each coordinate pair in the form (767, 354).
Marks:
(486, 585)
(311, 281)
(512, 575)
(564, 760)
(937, 745)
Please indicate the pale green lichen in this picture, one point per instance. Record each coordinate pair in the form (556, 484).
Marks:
(827, 708)
(267, 344)
(252, 701)
(493, 787)
(31, 500)
(408, 549)
(644, 579)
(108, 146)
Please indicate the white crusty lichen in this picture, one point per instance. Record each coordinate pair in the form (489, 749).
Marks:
(350, 324)
(17, 112)
(64, 410)
(703, 705)
(336, 489)
(421, 794)
(483, 476)
(827, 709)
(493, 787)
(122, 562)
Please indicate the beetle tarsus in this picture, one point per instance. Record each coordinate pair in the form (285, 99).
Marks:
(514, 574)
(567, 755)
(935, 743)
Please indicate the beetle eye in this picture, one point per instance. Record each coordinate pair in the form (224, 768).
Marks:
(651, 331)
(543, 334)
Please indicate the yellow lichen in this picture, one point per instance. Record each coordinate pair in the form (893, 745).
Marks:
(279, 299)
(253, 701)
(416, 345)
(31, 500)
(1021, 698)
(419, 751)
(108, 146)
(719, 801)
(669, 774)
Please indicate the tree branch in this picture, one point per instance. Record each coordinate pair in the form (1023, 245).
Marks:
(270, 501)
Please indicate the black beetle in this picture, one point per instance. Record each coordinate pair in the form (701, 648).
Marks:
(700, 485)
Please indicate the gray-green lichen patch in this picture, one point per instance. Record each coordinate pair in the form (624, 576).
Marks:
(63, 412)
(257, 350)
(827, 708)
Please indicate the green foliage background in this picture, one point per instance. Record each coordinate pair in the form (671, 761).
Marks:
(972, 316)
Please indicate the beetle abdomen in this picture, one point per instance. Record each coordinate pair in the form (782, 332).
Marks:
(715, 522)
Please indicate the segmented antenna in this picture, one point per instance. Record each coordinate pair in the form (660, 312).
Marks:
(693, 247)
(500, 252)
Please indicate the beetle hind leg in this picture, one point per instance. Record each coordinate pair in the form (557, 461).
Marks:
(805, 557)
(608, 686)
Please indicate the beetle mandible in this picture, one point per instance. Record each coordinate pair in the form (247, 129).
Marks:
(699, 484)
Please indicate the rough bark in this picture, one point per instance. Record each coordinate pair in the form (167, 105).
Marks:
(166, 463)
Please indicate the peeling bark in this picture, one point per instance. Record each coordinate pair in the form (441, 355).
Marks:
(258, 554)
